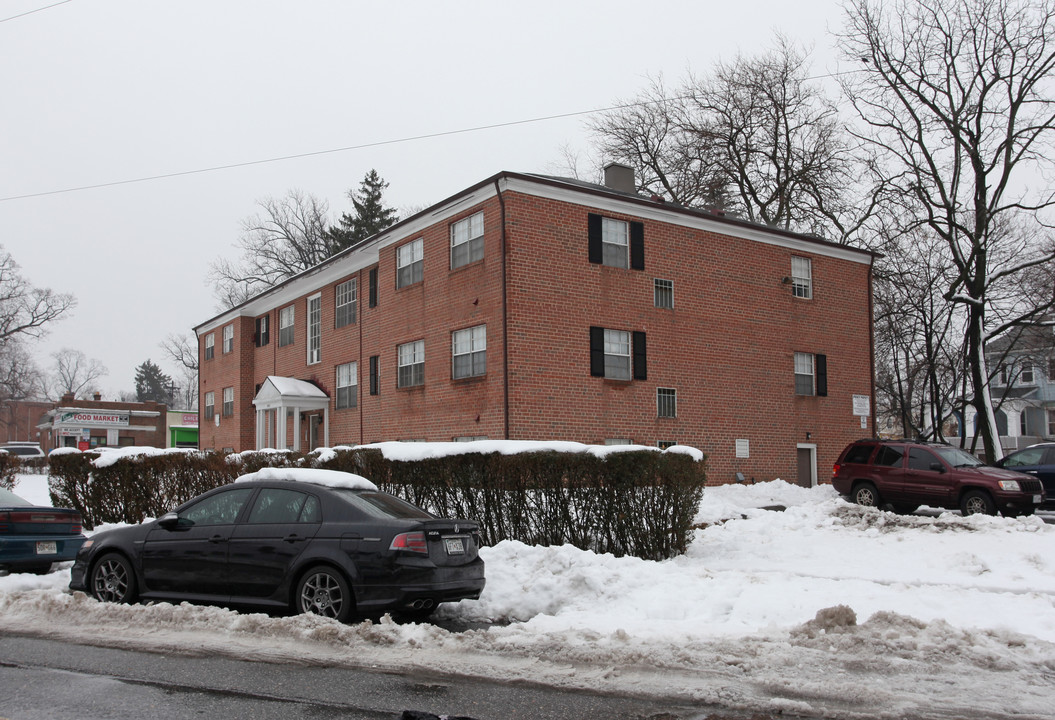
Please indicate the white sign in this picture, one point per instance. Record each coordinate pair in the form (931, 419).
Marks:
(80, 418)
(743, 448)
(862, 405)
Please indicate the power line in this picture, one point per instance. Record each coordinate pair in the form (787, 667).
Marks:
(347, 148)
(30, 12)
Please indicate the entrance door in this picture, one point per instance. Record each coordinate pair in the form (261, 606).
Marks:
(806, 462)
(314, 422)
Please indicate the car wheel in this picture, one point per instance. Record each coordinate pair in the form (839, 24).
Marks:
(324, 591)
(113, 579)
(866, 494)
(976, 502)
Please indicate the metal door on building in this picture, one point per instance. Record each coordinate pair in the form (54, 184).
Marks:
(806, 462)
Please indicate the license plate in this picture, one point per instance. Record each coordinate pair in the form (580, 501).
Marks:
(1036, 499)
(455, 546)
(47, 548)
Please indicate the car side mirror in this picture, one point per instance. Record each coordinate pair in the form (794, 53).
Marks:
(937, 467)
(171, 521)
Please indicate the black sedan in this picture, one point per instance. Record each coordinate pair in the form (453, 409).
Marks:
(1038, 460)
(33, 537)
(306, 541)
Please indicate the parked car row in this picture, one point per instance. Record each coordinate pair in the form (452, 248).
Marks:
(903, 475)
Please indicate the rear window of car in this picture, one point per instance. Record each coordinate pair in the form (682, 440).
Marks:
(382, 505)
(890, 455)
(859, 454)
(9, 499)
(28, 450)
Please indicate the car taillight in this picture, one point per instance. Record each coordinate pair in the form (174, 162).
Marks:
(835, 469)
(5, 522)
(411, 542)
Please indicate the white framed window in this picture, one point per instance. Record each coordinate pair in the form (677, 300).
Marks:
(228, 339)
(228, 402)
(345, 296)
(469, 438)
(347, 385)
(210, 405)
(314, 328)
(411, 369)
(615, 242)
(804, 377)
(663, 293)
(1026, 377)
(469, 352)
(285, 326)
(210, 346)
(618, 441)
(467, 240)
(617, 359)
(410, 263)
(666, 402)
(801, 277)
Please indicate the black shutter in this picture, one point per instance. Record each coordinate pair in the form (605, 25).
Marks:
(374, 389)
(822, 375)
(597, 351)
(637, 246)
(640, 357)
(594, 229)
(373, 287)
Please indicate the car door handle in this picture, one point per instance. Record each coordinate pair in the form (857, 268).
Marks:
(293, 537)
(217, 539)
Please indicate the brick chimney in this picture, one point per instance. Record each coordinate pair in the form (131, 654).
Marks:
(620, 177)
(97, 396)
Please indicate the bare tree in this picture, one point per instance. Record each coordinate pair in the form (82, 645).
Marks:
(24, 309)
(957, 96)
(74, 373)
(184, 354)
(756, 137)
(288, 236)
(20, 378)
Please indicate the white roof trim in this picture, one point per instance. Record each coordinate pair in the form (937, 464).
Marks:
(285, 392)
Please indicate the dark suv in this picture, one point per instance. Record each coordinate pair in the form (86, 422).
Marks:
(904, 474)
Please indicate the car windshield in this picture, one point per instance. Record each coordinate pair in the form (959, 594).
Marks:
(382, 505)
(9, 499)
(957, 457)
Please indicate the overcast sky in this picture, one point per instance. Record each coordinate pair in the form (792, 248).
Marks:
(107, 91)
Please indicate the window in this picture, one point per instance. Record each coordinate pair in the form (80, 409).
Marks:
(314, 328)
(210, 405)
(220, 509)
(618, 354)
(664, 294)
(617, 243)
(228, 339)
(375, 378)
(469, 438)
(285, 326)
(345, 296)
(920, 459)
(618, 441)
(410, 263)
(275, 506)
(210, 346)
(469, 352)
(373, 287)
(347, 385)
(811, 374)
(467, 240)
(263, 331)
(411, 364)
(801, 277)
(1026, 377)
(664, 444)
(666, 402)
(228, 402)
(1051, 369)
(890, 456)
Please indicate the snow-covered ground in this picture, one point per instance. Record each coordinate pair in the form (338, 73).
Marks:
(822, 609)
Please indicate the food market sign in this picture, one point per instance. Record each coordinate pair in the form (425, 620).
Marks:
(81, 418)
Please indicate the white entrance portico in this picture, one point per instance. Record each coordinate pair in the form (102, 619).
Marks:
(280, 396)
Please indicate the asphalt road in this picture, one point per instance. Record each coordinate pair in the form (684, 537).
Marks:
(50, 680)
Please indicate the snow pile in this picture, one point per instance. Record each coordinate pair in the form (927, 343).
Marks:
(329, 478)
(823, 608)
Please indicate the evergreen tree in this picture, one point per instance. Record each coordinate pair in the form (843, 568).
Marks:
(152, 384)
(371, 216)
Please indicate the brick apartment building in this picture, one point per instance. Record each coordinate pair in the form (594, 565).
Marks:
(537, 308)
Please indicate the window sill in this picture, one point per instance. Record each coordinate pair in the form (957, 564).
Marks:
(472, 379)
(474, 263)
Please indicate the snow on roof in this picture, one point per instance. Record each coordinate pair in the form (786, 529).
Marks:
(294, 387)
(329, 478)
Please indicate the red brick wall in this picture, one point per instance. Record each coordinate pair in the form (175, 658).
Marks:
(727, 347)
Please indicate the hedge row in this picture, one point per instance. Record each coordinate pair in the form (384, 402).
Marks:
(10, 465)
(639, 503)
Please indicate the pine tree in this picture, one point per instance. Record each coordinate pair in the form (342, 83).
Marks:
(371, 216)
(152, 384)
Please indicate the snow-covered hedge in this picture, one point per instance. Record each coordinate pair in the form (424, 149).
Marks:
(630, 501)
(9, 467)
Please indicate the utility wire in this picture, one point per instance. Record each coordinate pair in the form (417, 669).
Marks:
(347, 148)
(30, 12)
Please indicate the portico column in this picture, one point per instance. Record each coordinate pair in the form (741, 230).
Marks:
(296, 429)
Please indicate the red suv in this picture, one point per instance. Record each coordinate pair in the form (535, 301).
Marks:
(903, 475)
